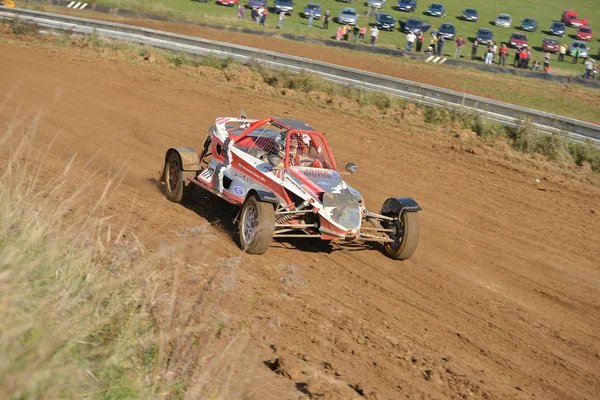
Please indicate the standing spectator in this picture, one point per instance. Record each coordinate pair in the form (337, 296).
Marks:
(575, 55)
(546, 60)
(522, 57)
(489, 55)
(589, 65)
(362, 33)
(433, 42)
(420, 40)
(281, 19)
(355, 32)
(346, 31)
(326, 19)
(259, 14)
(503, 54)
(311, 18)
(263, 17)
(527, 57)
(254, 14)
(495, 48)
(460, 42)
(374, 34)
(562, 50)
(595, 71)
(474, 49)
(410, 39)
(517, 57)
(340, 33)
(440, 45)
(434, 32)
(241, 11)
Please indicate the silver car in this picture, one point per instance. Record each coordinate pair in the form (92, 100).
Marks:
(583, 48)
(348, 16)
(504, 20)
(375, 3)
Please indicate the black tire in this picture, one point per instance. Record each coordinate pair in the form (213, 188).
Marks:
(256, 226)
(406, 242)
(175, 188)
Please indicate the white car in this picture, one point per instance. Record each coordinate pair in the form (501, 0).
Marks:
(504, 20)
(348, 16)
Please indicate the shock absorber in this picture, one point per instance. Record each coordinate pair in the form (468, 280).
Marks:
(290, 214)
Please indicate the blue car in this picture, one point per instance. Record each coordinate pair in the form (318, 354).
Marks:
(436, 10)
(315, 8)
(407, 5)
(257, 3)
(557, 29)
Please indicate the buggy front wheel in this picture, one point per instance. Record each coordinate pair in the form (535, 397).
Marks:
(256, 226)
(406, 230)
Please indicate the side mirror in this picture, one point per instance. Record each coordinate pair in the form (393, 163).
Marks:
(275, 161)
(352, 168)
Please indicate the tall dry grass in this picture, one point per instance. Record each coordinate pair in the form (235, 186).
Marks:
(85, 308)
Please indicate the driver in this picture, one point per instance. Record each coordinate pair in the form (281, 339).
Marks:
(300, 149)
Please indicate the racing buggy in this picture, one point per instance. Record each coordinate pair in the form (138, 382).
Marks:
(282, 176)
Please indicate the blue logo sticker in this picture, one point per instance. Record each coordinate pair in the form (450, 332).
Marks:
(238, 190)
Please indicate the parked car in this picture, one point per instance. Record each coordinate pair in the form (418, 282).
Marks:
(386, 22)
(529, 25)
(517, 39)
(257, 3)
(228, 2)
(414, 25)
(504, 20)
(448, 30)
(315, 8)
(284, 6)
(557, 29)
(550, 45)
(484, 36)
(376, 3)
(570, 18)
(584, 33)
(470, 14)
(407, 5)
(281, 176)
(348, 16)
(583, 48)
(437, 10)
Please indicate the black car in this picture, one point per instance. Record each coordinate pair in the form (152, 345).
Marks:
(557, 29)
(386, 22)
(414, 25)
(448, 31)
(484, 36)
(470, 14)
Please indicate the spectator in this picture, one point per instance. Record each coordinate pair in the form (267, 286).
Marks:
(281, 19)
(254, 14)
(589, 66)
(562, 50)
(410, 39)
(433, 41)
(326, 19)
(434, 32)
(429, 51)
(259, 14)
(420, 40)
(503, 55)
(311, 18)
(595, 71)
(536, 65)
(489, 55)
(575, 55)
(355, 32)
(241, 11)
(346, 31)
(474, 49)
(362, 33)
(440, 44)
(546, 60)
(517, 61)
(263, 17)
(374, 34)
(340, 33)
(495, 48)
(527, 57)
(460, 42)
(547, 70)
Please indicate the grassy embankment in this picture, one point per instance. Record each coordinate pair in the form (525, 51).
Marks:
(309, 88)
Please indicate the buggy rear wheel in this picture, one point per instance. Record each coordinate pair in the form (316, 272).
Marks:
(256, 226)
(405, 235)
(175, 188)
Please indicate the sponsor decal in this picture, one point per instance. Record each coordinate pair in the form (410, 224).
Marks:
(207, 174)
(238, 190)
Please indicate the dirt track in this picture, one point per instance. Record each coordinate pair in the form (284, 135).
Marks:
(501, 300)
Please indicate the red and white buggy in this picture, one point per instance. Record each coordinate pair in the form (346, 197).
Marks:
(282, 175)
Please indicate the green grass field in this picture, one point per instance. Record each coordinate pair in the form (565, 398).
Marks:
(544, 11)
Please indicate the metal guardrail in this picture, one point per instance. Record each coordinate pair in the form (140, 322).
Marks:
(504, 113)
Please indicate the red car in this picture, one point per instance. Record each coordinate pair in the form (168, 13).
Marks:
(584, 33)
(570, 18)
(550, 45)
(517, 40)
